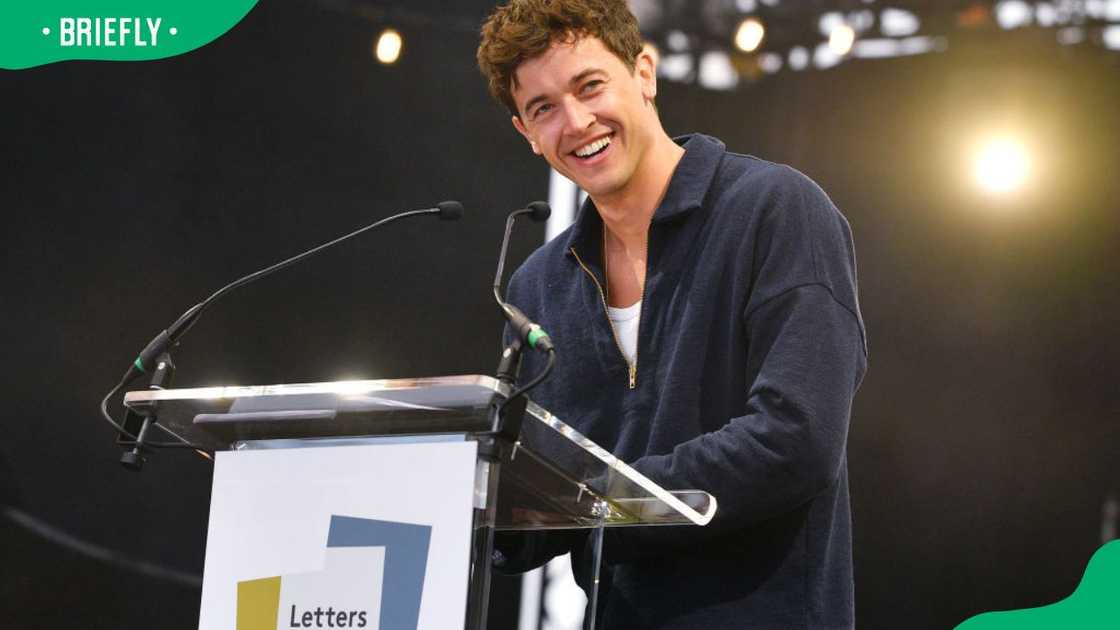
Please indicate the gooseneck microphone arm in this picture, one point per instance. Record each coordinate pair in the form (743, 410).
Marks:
(539, 212)
(147, 359)
(447, 211)
(525, 330)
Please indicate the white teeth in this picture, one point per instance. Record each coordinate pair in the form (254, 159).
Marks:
(588, 149)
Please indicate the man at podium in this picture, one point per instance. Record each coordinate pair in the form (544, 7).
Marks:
(705, 314)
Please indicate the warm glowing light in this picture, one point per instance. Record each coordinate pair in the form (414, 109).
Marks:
(353, 387)
(749, 35)
(388, 49)
(1002, 165)
(841, 38)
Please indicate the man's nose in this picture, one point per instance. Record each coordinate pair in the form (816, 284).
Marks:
(577, 116)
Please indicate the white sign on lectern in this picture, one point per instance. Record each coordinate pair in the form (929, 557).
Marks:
(361, 536)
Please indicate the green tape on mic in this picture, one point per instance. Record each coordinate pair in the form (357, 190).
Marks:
(535, 335)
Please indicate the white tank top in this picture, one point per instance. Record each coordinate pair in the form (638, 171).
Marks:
(625, 322)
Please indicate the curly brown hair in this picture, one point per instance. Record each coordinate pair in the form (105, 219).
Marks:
(523, 29)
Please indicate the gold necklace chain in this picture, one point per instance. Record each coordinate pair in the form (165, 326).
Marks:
(607, 269)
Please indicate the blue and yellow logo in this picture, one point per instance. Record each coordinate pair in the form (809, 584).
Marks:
(373, 570)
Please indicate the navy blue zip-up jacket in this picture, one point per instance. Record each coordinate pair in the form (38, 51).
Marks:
(750, 349)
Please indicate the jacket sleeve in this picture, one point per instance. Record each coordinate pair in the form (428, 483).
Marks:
(805, 358)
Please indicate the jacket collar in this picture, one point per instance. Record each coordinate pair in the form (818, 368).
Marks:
(687, 188)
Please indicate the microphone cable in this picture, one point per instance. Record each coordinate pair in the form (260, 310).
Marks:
(536, 380)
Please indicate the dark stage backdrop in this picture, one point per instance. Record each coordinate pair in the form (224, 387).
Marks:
(983, 440)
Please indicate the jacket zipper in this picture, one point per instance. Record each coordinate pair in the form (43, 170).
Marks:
(603, 297)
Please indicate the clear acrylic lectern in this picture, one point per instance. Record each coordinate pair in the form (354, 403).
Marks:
(551, 477)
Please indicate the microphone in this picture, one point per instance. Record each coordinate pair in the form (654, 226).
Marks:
(148, 357)
(539, 211)
(447, 211)
(528, 331)
(507, 424)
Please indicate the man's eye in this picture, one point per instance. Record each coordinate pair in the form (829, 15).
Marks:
(591, 85)
(543, 109)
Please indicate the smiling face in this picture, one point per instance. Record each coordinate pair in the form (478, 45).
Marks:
(587, 114)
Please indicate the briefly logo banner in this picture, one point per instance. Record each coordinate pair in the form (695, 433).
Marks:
(375, 537)
(37, 33)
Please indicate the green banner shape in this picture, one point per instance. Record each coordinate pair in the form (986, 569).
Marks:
(33, 33)
(1095, 603)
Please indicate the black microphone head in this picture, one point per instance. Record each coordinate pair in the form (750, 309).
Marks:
(539, 211)
(450, 210)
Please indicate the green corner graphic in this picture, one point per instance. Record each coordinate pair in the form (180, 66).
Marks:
(46, 31)
(1095, 603)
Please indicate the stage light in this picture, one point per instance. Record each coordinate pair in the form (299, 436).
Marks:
(677, 41)
(749, 35)
(715, 71)
(1046, 15)
(917, 45)
(876, 48)
(898, 23)
(1002, 165)
(1071, 35)
(675, 67)
(388, 48)
(841, 38)
(770, 62)
(798, 58)
(1111, 37)
(825, 57)
(829, 21)
(860, 21)
(920, 44)
(974, 16)
(1013, 14)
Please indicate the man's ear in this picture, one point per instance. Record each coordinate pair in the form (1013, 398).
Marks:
(645, 67)
(520, 127)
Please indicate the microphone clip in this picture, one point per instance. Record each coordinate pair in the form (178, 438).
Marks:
(506, 414)
(140, 423)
